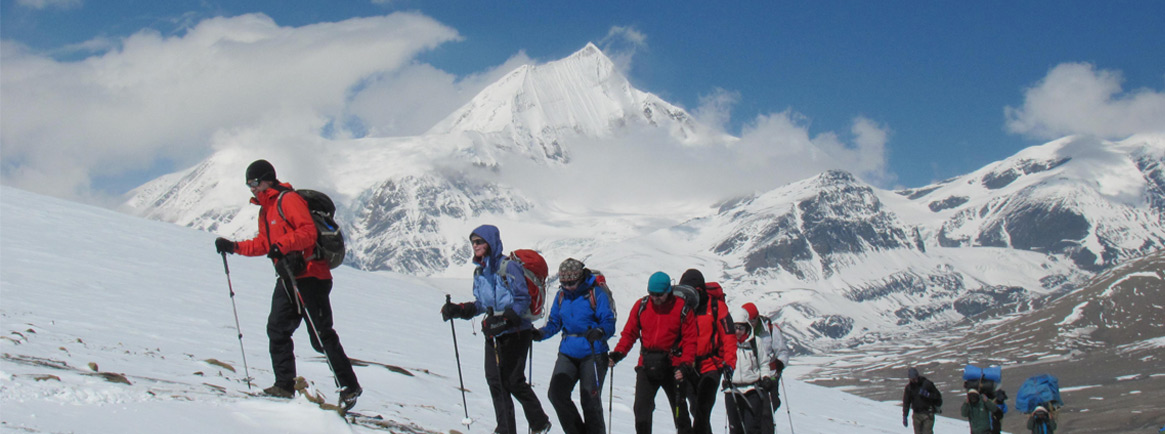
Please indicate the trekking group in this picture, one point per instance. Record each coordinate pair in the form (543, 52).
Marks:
(984, 406)
(692, 345)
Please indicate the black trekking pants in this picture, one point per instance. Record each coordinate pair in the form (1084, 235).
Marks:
(567, 372)
(702, 392)
(503, 372)
(753, 414)
(646, 388)
(285, 319)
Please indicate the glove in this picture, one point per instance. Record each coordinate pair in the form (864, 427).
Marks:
(615, 357)
(497, 324)
(726, 370)
(463, 311)
(274, 253)
(726, 383)
(904, 424)
(223, 245)
(537, 335)
(779, 368)
(767, 383)
(594, 334)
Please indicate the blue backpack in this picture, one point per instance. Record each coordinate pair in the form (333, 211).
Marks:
(1036, 391)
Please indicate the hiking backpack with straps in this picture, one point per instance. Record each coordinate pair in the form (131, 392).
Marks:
(329, 238)
(600, 282)
(689, 297)
(535, 270)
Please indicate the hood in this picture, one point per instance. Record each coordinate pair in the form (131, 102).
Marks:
(493, 238)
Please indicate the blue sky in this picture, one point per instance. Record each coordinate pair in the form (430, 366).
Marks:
(955, 85)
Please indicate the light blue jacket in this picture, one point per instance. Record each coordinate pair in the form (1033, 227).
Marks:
(490, 290)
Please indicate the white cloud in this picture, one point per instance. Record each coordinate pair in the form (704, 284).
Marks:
(46, 4)
(621, 44)
(1076, 98)
(161, 100)
(646, 169)
(410, 100)
(715, 110)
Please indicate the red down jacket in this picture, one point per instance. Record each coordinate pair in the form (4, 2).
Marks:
(295, 233)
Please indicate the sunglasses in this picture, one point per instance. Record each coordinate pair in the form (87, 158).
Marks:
(477, 241)
(570, 283)
(254, 183)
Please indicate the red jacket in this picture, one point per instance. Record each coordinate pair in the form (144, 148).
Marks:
(659, 327)
(296, 233)
(716, 338)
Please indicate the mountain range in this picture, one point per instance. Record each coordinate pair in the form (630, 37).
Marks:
(837, 260)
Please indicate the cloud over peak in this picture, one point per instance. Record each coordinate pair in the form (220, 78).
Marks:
(1077, 98)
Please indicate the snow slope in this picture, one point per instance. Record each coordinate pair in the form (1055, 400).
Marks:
(148, 300)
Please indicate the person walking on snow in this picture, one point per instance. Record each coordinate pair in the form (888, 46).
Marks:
(287, 235)
(978, 412)
(1000, 410)
(715, 349)
(773, 348)
(507, 334)
(582, 312)
(746, 396)
(922, 397)
(668, 334)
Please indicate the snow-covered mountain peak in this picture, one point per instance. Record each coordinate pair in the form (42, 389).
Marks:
(536, 106)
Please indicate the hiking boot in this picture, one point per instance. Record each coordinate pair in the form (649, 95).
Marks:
(541, 430)
(348, 397)
(279, 392)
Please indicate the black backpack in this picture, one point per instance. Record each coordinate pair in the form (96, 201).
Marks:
(329, 238)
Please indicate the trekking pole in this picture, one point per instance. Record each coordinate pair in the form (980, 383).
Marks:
(782, 380)
(611, 401)
(310, 322)
(595, 364)
(461, 380)
(736, 404)
(489, 313)
(231, 288)
(530, 379)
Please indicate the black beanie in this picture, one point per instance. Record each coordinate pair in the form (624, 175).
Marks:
(692, 278)
(261, 170)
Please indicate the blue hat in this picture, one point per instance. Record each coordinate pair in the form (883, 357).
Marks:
(659, 283)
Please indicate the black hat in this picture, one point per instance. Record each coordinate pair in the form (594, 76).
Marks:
(261, 170)
(693, 278)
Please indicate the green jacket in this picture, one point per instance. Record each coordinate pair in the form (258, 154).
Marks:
(979, 415)
(1041, 426)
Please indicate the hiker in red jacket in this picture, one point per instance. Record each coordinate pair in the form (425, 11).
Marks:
(668, 333)
(288, 237)
(715, 349)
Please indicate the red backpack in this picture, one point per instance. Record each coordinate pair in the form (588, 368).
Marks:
(535, 270)
(601, 283)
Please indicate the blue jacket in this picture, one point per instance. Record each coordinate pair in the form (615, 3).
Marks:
(489, 289)
(574, 315)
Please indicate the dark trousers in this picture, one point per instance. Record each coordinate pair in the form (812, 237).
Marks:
(285, 319)
(503, 372)
(646, 388)
(589, 373)
(702, 392)
(754, 416)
